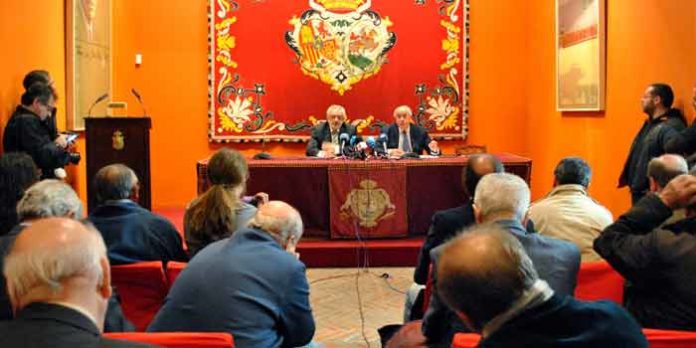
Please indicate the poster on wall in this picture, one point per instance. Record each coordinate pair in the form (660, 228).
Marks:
(88, 46)
(580, 55)
(276, 65)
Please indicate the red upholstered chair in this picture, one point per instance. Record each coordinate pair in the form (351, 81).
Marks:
(177, 339)
(598, 281)
(142, 287)
(670, 338)
(466, 340)
(173, 270)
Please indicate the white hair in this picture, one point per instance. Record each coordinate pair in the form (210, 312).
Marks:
(403, 108)
(280, 226)
(49, 198)
(502, 193)
(36, 268)
(336, 108)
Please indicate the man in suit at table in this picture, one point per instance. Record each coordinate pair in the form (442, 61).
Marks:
(404, 136)
(325, 140)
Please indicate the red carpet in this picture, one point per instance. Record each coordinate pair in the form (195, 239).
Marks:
(340, 253)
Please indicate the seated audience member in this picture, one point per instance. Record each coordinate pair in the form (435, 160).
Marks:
(503, 199)
(405, 137)
(251, 285)
(220, 211)
(661, 170)
(568, 212)
(17, 173)
(131, 233)
(59, 284)
(45, 199)
(487, 278)
(657, 261)
(325, 139)
(446, 223)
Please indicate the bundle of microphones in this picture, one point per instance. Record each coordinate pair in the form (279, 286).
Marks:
(352, 147)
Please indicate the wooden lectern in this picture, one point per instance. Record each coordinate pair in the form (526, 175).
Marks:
(124, 140)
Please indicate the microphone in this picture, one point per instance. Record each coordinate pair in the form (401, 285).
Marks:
(353, 140)
(371, 142)
(140, 100)
(343, 139)
(97, 101)
(384, 139)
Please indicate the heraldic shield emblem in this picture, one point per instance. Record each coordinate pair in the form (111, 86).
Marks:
(369, 204)
(340, 42)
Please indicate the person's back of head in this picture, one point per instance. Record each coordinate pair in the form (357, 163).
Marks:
(482, 272)
(665, 168)
(36, 76)
(212, 216)
(60, 261)
(501, 196)
(115, 182)
(281, 221)
(572, 171)
(477, 166)
(49, 198)
(17, 173)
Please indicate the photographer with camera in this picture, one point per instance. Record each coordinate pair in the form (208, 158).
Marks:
(26, 132)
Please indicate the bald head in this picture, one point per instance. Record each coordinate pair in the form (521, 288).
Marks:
(115, 182)
(280, 220)
(665, 168)
(482, 272)
(476, 167)
(59, 260)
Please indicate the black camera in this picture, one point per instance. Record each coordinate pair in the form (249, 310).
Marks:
(74, 157)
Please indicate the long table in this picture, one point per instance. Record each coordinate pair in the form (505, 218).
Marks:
(321, 190)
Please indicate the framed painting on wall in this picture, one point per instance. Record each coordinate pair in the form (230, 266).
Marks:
(580, 55)
(89, 59)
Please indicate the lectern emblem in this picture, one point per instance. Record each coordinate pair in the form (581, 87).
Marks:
(117, 140)
(370, 204)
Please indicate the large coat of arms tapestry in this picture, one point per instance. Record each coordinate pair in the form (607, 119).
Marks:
(276, 65)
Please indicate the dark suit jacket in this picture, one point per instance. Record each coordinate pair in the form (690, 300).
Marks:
(658, 262)
(565, 322)
(322, 133)
(556, 261)
(115, 321)
(445, 225)
(419, 138)
(134, 234)
(51, 325)
(246, 285)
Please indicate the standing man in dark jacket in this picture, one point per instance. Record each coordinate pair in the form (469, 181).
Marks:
(27, 132)
(660, 263)
(663, 124)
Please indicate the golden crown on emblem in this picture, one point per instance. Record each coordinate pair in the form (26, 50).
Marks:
(341, 4)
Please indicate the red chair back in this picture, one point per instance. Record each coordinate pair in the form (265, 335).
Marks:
(142, 287)
(670, 338)
(177, 339)
(466, 340)
(599, 281)
(173, 270)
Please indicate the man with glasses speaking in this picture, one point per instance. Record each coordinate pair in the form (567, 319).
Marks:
(25, 132)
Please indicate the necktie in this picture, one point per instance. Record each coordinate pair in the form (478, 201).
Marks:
(405, 142)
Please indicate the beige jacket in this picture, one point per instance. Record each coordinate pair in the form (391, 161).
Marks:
(569, 213)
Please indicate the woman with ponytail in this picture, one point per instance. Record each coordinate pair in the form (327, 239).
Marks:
(220, 211)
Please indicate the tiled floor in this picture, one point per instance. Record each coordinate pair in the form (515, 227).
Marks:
(339, 308)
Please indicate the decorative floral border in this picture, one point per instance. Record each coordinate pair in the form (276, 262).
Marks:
(438, 106)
